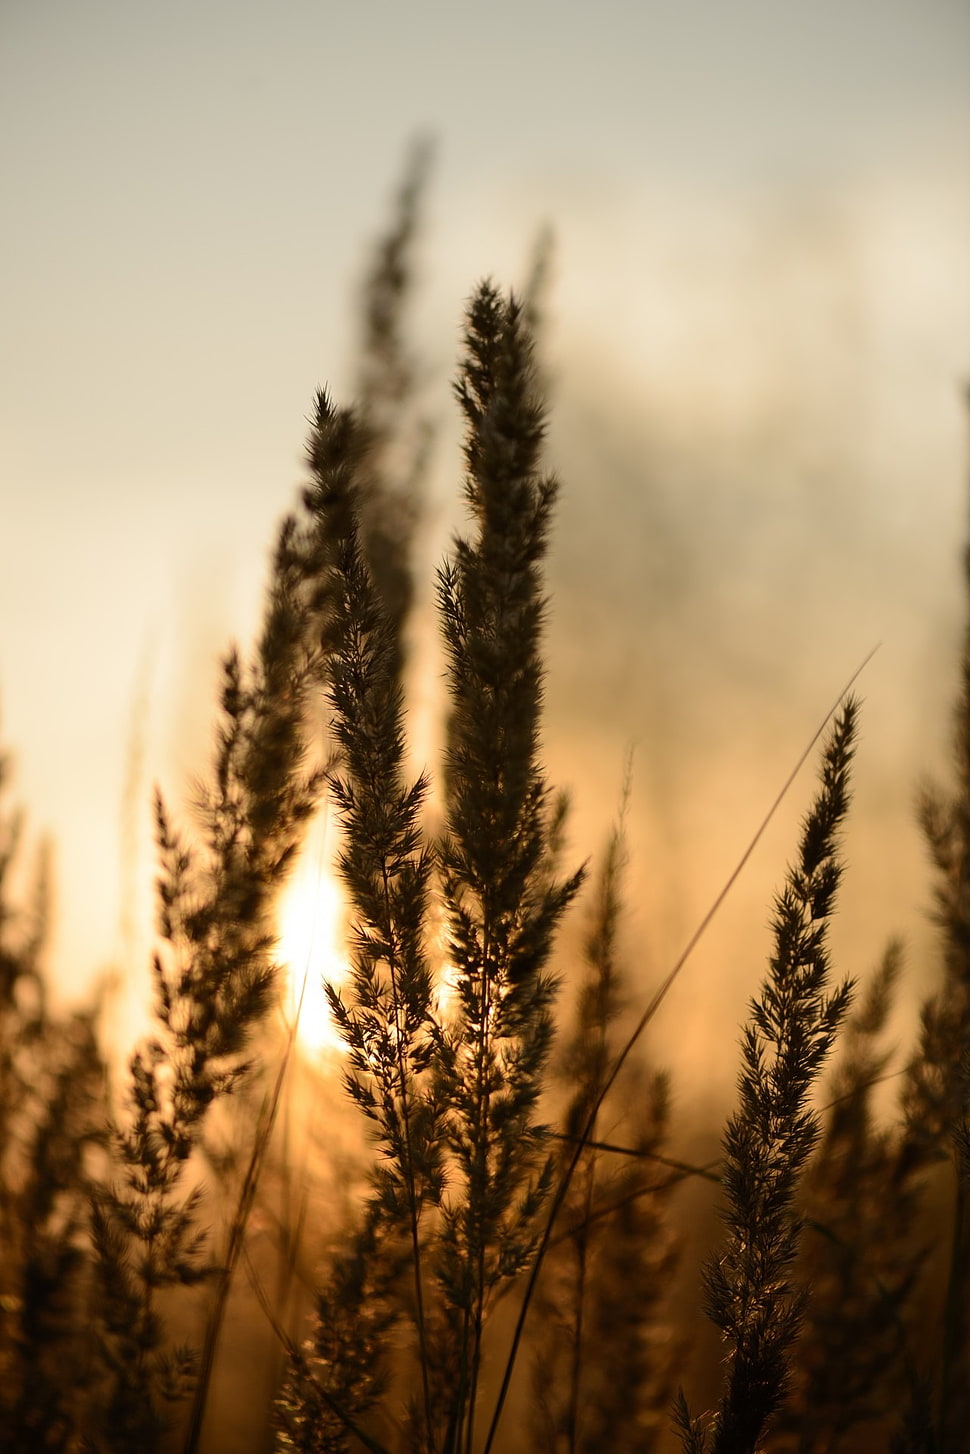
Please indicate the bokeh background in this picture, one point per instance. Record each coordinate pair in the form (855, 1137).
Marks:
(757, 340)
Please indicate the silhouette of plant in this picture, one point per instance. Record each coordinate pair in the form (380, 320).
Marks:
(769, 1140)
(496, 1166)
(52, 1105)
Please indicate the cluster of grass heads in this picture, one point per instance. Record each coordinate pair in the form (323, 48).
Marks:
(504, 1276)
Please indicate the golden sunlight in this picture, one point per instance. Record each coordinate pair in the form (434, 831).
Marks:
(312, 925)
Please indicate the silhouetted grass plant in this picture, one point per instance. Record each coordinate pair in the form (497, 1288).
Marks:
(52, 1112)
(214, 975)
(496, 1166)
(860, 1252)
(769, 1140)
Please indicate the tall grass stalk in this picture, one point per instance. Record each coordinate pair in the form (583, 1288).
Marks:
(565, 1180)
(502, 904)
(214, 982)
(861, 1200)
(388, 1024)
(395, 437)
(451, 1099)
(52, 1107)
(769, 1140)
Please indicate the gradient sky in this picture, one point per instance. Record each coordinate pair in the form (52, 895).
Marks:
(760, 318)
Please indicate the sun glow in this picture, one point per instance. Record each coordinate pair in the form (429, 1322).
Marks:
(312, 939)
(313, 913)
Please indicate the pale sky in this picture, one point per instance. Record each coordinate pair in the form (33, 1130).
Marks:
(759, 323)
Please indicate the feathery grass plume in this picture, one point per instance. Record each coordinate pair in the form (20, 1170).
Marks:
(52, 1105)
(769, 1140)
(337, 1391)
(385, 1016)
(861, 1199)
(391, 454)
(502, 909)
(309, 1415)
(389, 464)
(395, 444)
(54, 1346)
(535, 303)
(656, 1000)
(603, 1369)
(535, 294)
(214, 981)
(386, 372)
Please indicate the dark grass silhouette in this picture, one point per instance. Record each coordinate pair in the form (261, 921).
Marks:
(513, 1229)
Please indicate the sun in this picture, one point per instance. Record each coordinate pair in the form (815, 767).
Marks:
(312, 938)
